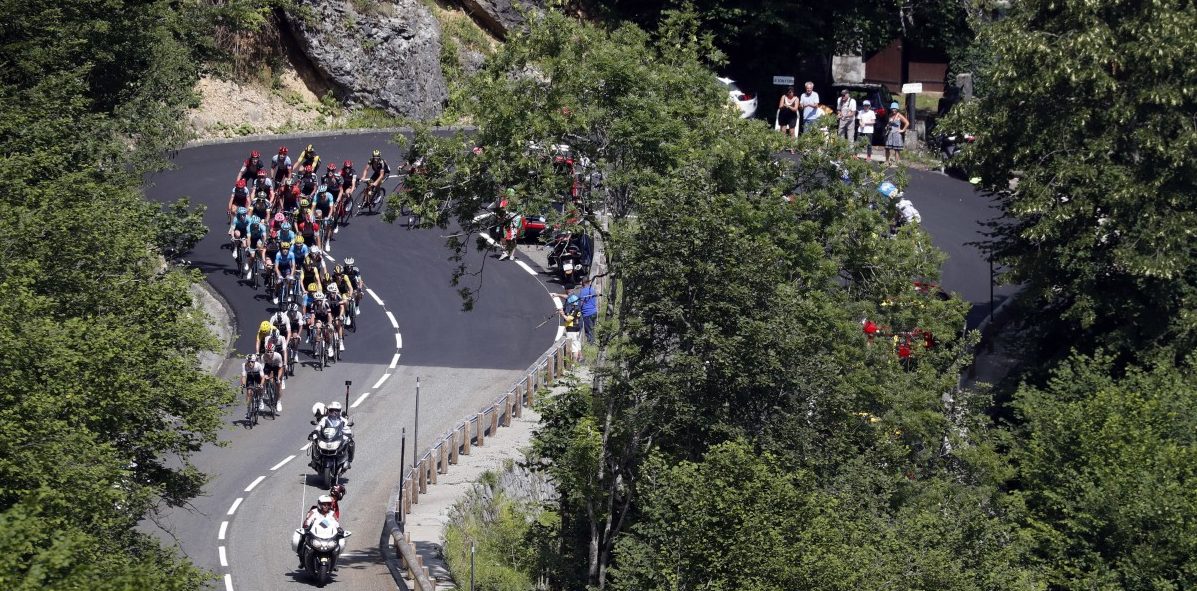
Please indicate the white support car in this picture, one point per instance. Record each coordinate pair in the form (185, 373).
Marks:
(744, 103)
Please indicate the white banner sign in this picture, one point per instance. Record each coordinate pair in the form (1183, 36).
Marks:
(912, 88)
(783, 80)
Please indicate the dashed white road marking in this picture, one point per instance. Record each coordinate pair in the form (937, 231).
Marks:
(255, 483)
(228, 582)
(374, 295)
(236, 504)
(557, 302)
(380, 381)
(282, 463)
(306, 446)
(224, 528)
(560, 332)
(487, 237)
(360, 399)
(527, 268)
(224, 558)
(395, 361)
(391, 317)
(398, 341)
(327, 256)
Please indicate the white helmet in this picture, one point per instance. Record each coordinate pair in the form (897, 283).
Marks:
(333, 289)
(318, 296)
(334, 405)
(324, 500)
(316, 250)
(318, 409)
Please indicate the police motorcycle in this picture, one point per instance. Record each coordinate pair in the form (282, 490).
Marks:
(320, 543)
(332, 442)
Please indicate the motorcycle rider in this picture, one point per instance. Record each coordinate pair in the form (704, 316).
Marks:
(325, 507)
(330, 416)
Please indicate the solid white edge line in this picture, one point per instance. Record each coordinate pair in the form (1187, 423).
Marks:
(560, 332)
(394, 323)
(306, 446)
(329, 257)
(380, 381)
(395, 361)
(360, 399)
(236, 504)
(228, 582)
(224, 528)
(282, 463)
(224, 557)
(527, 268)
(488, 238)
(255, 483)
(398, 341)
(374, 295)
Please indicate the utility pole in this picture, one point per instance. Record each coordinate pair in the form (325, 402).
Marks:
(415, 438)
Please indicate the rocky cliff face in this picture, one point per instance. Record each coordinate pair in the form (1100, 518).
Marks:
(383, 54)
(500, 16)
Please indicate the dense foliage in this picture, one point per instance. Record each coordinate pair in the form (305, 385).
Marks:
(103, 399)
(737, 283)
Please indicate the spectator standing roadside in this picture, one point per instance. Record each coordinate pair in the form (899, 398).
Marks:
(809, 101)
(846, 108)
(787, 113)
(866, 119)
(893, 137)
(589, 301)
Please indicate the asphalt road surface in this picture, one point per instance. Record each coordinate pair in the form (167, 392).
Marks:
(411, 325)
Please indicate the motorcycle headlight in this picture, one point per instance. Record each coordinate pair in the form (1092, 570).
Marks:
(321, 545)
(329, 445)
(329, 432)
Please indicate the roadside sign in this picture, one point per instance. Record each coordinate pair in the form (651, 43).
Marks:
(912, 88)
(783, 80)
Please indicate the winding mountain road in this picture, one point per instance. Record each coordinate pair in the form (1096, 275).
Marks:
(411, 326)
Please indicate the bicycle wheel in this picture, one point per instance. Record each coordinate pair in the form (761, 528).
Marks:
(255, 403)
(318, 351)
(250, 407)
(271, 398)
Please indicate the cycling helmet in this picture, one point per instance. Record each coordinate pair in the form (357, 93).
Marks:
(348, 261)
(315, 250)
(293, 307)
(261, 195)
(285, 246)
(264, 326)
(274, 331)
(338, 269)
(255, 154)
(299, 240)
(295, 191)
(334, 405)
(333, 289)
(261, 173)
(376, 154)
(274, 233)
(240, 183)
(269, 346)
(304, 203)
(251, 358)
(312, 287)
(241, 211)
(331, 167)
(279, 217)
(282, 150)
(318, 296)
(348, 164)
(310, 148)
(286, 226)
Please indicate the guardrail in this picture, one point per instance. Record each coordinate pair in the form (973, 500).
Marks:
(470, 432)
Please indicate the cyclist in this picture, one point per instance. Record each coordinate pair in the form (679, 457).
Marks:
(239, 197)
(239, 229)
(284, 265)
(273, 363)
(286, 233)
(377, 170)
(264, 329)
(348, 178)
(278, 341)
(308, 157)
(280, 165)
(325, 198)
(308, 227)
(251, 377)
(251, 166)
(336, 305)
(290, 200)
(261, 205)
(344, 282)
(331, 179)
(355, 277)
(319, 310)
(263, 183)
(257, 241)
(308, 181)
(313, 264)
(294, 321)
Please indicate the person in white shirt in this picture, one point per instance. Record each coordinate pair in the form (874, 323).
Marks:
(865, 120)
(809, 101)
(845, 108)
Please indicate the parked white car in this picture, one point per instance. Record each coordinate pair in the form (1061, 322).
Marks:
(744, 103)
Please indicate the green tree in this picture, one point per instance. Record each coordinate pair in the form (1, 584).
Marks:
(1081, 137)
(1105, 473)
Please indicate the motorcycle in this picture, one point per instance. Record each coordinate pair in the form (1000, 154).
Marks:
(321, 548)
(331, 450)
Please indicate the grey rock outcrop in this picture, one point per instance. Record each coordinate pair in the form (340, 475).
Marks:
(386, 55)
(500, 16)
